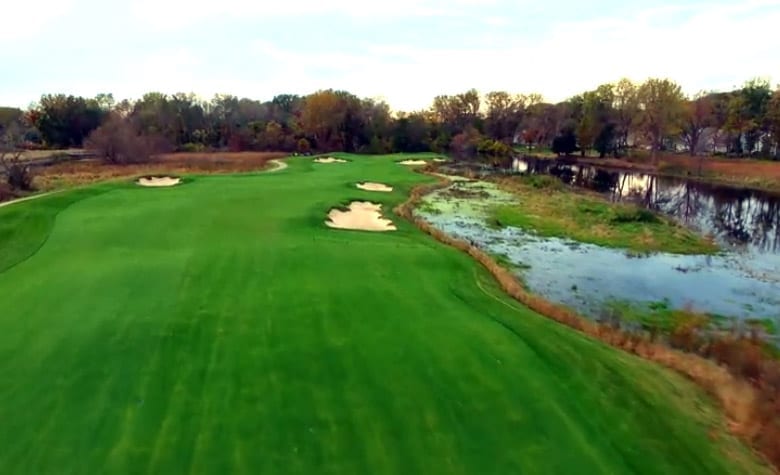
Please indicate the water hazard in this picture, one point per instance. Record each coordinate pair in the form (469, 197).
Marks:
(742, 282)
(738, 218)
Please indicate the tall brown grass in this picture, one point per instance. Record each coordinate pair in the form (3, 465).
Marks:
(70, 173)
(734, 368)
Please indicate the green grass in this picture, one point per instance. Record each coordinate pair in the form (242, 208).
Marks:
(220, 327)
(548, 209)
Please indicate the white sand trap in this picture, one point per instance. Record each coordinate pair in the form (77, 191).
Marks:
(413, 162)
(276, 165)
(439, 160)
(159, 181)
(329, 160)
(362, 215)
(370, 186)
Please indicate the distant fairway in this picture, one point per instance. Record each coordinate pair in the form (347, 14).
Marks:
(220, 327)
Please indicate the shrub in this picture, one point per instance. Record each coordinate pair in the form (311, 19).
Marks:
(565, 143)
(17, 173)
(118, 142)
(493, 148)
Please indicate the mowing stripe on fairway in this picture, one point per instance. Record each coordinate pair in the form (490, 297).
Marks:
(220, 327)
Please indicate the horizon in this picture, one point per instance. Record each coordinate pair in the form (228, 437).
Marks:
(404, 53)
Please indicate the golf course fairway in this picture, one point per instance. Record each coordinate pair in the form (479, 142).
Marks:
(219, 326)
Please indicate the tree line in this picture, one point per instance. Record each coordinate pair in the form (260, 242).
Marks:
(612, 119)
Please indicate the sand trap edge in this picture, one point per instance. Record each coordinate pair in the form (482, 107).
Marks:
(328, 160)
(359, 216)
(374, 186)
(158, 181)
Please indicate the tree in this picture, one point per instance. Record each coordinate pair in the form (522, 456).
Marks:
(455, 113)
(737, 122)
(756, 95)
(504, 115)
(322, 119)
(660, 104)
(605, 140)
(773, 121)
(465, 143)
(272, 136)
(626, 106)
(8, 116)
(697, 116)
(719, 118)
(565, 143)
(539, 124)
(65, 121)
(412, 133)
(118, 142)
(594, 115)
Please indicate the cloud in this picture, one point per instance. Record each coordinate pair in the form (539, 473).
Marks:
(187, 12)
(22, 20)
(407, 51)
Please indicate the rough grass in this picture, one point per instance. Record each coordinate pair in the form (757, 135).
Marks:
(73, 173)
(220, 327)
(547, 208)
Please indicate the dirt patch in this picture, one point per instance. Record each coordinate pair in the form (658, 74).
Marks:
(159, 181)
(361, 215)
(413, 162)
(370, 186)
(329, 160)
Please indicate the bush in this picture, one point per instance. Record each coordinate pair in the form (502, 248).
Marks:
(565, 144)
(17, 173)
(493, 148)
(118, 142)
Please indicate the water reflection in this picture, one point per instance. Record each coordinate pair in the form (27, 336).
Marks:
(586, 277)
(735, 217)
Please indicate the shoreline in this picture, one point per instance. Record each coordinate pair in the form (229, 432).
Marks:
(729, 391)
(619, 164)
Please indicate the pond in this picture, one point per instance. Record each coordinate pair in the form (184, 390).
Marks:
(740, 283)
(742, 219)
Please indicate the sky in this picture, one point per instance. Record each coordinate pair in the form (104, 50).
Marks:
(402, 51)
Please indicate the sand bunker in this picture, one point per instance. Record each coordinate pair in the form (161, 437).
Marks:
(440, 160)
(413, 162)
(329, 160)
(361, 215)
(370, 186)
(157, 181)
(276, 165)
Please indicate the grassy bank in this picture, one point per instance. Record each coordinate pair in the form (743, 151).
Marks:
(548, 208)
(220, 327)
(739, 173)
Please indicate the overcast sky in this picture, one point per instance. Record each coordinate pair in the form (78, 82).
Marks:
(404, 51)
